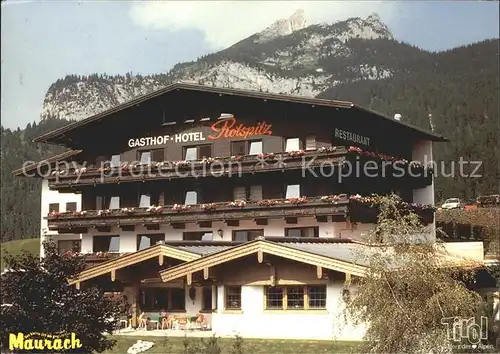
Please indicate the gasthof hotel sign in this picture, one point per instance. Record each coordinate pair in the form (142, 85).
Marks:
(223, 128)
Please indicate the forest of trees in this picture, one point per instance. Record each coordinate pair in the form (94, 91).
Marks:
(459, 88)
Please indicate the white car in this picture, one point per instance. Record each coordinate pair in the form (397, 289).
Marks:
(451, 203)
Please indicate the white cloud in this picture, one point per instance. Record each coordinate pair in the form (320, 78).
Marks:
(223, 23)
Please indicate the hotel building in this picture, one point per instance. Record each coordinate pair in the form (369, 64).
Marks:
(242, 205)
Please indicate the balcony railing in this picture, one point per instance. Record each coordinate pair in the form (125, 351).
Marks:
(221, 166)
(358, 208)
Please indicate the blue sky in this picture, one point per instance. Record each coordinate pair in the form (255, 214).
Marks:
(43, 41)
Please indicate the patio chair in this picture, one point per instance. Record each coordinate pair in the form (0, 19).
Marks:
(123, 321)
(182, 321)
(154, 319)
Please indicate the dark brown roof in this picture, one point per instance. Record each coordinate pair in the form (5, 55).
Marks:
(47, 162)
(49, 137)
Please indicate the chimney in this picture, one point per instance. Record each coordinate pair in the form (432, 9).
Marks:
(397, 116)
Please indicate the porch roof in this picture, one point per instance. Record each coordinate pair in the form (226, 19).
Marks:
(334, 256)
(159, 251)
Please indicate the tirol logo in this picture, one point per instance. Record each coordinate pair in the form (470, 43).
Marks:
(43, 341)
(228, 128)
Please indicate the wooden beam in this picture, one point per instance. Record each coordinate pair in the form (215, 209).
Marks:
(272, 275)
(189, 278)
(319, 272)
(160, 259)
(348, 224)
(260, 256)
(206, 273)
(347, 278)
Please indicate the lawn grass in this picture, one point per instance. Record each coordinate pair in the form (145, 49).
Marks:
(176, 345)
(15, 247)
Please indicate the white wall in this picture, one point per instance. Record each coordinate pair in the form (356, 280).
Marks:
(255, 322)
(422, 151)
(49, 197)
(128, 239)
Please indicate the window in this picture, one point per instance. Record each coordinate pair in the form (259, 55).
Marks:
(252, 193)
(114, 203)
(238, 148)
(145, 157)
(255, 147)
(145, 241)
(177, 299)
(317, 297)
(292, 191)
(115, 161)
(191, 198)
(255, 193)
(207, 298)
(240, 193)
(156, 299)
(204, 151)
(99, 202)
(292, 144)
(145, 201)
(302, 232)
(247, 235)
(71, 206)
(197, 236)
(310, 142)
(274, 297)
(158, 155)
(53, 207)
(68, 245)
(106, 244)
(252, 147)
(295, 297)
(233, 298)
(190, 153)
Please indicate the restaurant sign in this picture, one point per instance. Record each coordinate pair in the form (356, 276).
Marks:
(223, 128)
(351, 137)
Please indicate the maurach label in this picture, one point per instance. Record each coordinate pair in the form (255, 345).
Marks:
(223, 128)
(43, 341)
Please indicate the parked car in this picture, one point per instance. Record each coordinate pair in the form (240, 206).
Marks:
(470, 204)
(452, 203)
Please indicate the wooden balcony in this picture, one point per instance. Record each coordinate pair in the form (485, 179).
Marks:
(336, 207)
(222, 166)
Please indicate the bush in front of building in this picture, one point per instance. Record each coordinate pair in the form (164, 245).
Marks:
(412, 291)
(37, 301)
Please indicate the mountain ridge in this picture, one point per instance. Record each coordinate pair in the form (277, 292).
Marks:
(286, 63)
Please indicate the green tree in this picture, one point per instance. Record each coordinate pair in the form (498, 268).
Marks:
(36, 297)
(410, 288)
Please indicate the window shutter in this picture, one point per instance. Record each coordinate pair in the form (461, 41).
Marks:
(240, 193)
(256, 193)
(310, 142)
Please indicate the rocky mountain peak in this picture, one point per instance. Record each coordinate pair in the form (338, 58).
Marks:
(283, 27)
